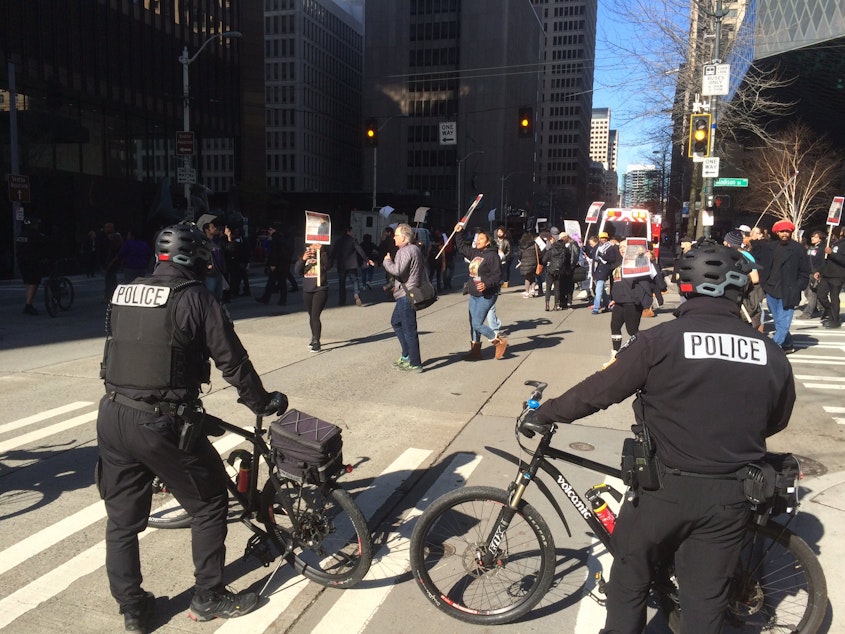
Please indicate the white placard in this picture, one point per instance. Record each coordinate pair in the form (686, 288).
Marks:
(716, 79)
(710, 167)
(448, 133)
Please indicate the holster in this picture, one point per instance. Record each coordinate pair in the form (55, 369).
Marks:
(640, 464)
(190, 421)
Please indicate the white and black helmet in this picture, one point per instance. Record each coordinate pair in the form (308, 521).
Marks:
(713, 270)
(184, 244)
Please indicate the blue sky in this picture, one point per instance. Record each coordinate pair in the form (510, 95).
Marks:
(624, 84)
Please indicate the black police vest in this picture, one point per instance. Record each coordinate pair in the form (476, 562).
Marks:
(144, 350)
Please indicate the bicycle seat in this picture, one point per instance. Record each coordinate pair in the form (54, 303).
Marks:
(530, 427)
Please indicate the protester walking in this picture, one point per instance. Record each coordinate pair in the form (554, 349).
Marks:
(314, 267)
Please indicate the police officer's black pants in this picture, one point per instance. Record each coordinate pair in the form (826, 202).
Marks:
(133, 446)
(702, 522)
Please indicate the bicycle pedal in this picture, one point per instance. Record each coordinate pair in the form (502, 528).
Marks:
(258, 547)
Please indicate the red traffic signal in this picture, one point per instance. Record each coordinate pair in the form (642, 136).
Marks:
(722, 201)
(526, 122)
(371, 133)
(699, 136)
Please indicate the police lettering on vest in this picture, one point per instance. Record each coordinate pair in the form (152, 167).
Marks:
(140, 295)
(725, 347)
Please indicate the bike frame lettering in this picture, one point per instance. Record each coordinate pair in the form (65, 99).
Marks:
(574, 498)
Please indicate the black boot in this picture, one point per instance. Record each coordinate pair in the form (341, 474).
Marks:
(137, 617)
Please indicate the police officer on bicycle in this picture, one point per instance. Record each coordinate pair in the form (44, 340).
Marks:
(710, 390)
(162, 330)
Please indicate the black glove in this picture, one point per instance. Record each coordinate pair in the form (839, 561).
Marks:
(530, 423)
(277, 404)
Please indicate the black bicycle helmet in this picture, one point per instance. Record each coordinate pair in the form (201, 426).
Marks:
(713, 270)
(184, 244)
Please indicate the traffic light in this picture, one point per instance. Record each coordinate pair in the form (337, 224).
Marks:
(722, 201)
(526, 122)
(699, 135)
(371, 133)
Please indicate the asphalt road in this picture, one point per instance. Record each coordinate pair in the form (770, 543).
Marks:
(409, 437)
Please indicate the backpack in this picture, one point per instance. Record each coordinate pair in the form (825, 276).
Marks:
(558, 259)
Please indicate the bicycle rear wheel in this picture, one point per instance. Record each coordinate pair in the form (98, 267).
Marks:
(451, 537)
(778, 586)
(330, 540)
(166, 511)
(64, 288)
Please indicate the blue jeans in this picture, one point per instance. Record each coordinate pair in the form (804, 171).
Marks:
(342, 274)
(783, 320)
(599, 301)
(404, 322)
(478, 309)
(493, 319)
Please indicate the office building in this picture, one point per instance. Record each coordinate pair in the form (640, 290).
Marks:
(445, 81)
(640, 184)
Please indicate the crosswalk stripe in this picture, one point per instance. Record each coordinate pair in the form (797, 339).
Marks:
(49, 585)
(824, 386)
(369, 502)
(819, 346)
(813, 377)
(793, 359)
(590, 613)
(44, 432)
(37, 418)
(355, 609)
(834, 410)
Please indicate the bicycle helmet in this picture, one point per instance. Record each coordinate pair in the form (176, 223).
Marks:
(713, 270)
(184, 244)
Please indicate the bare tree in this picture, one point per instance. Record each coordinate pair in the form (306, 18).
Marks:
(793, 174)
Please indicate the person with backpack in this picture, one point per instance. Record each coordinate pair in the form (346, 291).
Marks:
(556, 258)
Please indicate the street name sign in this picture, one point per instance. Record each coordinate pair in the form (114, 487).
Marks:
(730, 182)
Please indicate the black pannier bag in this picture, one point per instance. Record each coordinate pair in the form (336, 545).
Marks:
(772, 484)
(306, 449)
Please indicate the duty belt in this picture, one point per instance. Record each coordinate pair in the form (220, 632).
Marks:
(151, 408)
(739, 474)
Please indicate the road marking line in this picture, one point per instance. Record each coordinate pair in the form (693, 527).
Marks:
(47, 537)
(823, 386)
(814, 360)
(369, 501)
(354, 610)
(57, 580)
(36, 418)
(812, 377)
(44, 432)
(830, 409)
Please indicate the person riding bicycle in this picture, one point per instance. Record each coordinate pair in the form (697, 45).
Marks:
(710, 389)
(162, 330)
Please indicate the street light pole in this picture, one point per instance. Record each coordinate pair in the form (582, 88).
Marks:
(460, 163)
(186, 61)
(502, 194)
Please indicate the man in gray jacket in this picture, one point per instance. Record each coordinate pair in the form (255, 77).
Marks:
(408, 270)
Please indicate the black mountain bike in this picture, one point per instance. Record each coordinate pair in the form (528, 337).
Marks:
(58, 291)
(317, 528)
(486, 556)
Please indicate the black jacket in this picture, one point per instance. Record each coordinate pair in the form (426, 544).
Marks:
(834, 265)
(711, 388)
(484, 263)
(787, 273)
(202, 319)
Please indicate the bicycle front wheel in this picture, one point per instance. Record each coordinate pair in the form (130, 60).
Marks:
(64, 289)
(449, 548)
(166, 511)
(323, 529)
(779, 585)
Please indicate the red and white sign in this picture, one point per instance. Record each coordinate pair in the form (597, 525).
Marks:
(834, 216)
(593, 212)
(184, 143)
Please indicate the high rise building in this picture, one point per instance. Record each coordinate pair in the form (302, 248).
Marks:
(639, 186)
(600, 136)
(444, 82)
(563, 144)
(99, 99)
(313, 73)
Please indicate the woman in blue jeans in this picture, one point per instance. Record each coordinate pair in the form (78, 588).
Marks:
(485, 271)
